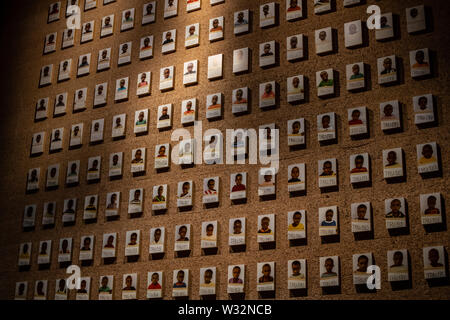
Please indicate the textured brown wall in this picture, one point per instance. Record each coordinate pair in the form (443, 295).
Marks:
(18, 125)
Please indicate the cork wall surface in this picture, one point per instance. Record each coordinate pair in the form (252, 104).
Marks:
(29, 28)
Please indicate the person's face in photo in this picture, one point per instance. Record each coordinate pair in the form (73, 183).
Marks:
(267, 177)
(383, 21)
(208, 276)
(190, 67)
(296, 127)
(423, 103)
(40, 288)
(329, 215)
(115, 159)
(297, 217)
(362, 264)
(122, 83)
(392, 157)
(170, 3)
(355, 69)
(133, 238)
(80, 95)
(21, 289)
(138, 154)
(127, 15)
(149, 8)
(86, 242)
(413, 13)
(189, 106)
(137, 194)
(100, 90)
(427, 151)
(104, 54)
(398, 258)
(87, 28)
(236, 272)
(50, 208)
(83, 285)
(70, 204)
(155, 278)
(53, 172)
(352, 29)
(215, 23)
(162, 151)
(110, 240)
(182, 232)
(96, 126)
(33, 174)
(143, 77)
(295, 82)
(84, 60)
(324, 76)
(265, 223)
(42, 104)
(359, 161)
(266, 48)
(395, 206)
(209, 230)
(25, 248)
(92, 201)
(295, 173)
(191, 30)
(211, 184)
(46, 71)
(76, 130)
(38, 139)
(44, 248)
(73, 168)
(69, 33)
(180, 277)
(51, 39)
(107, 21)
(166, 73)
(240, 17)
(124, 48)
(355, 115)
(431, 202)
(361, 212)
(268, 88)
(322, 35)
(164, 111)
(146, 42)
(186, 188)
(141, 116)
(65, 65)
(433, 256)
(329, 265)
(214, 100)
(420, 56)
(239, 94)
(157, 235)
(168, 35)
(326, 122)
(266, 10)
(160, 190)
(237, 227)
(295, 268)
(266, 271)
(387, 64)
(293, 42)
(238, 179)
(327, 168)
(29, 212)
(64, 245)
(104, 282)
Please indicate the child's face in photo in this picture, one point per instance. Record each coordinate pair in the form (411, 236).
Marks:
(267, 48)
(104, 281)
(295, 172)
(388, 110)
(157, 235)
(162, 151)
(355, 115)
(427, 151)
(391, 157)
(329, 215)
(182, 232)
(355, 69)
(180, 277)
(236, 273)
(359, 162)
(297, 218)
(266, 271)
(237, 227)
(327, 168)
(295, 127)
(211, 184)
(396, 205)
(267, 177)
(186, 188)
(191, 30)
(361, 211)
(295, 268)
(420, 56)
(268, 88)
(431, 202)
(325, 122)
(362, 264)
(387, 63)
(238, 179)
(324, 76)
(166, 73)
(322, 35)
(423, 103)
(293, 42)
(155, 278)
(265, 223)
(398, 258)
(433, 256)
(209, 230)
(208, 277)
(329, 265)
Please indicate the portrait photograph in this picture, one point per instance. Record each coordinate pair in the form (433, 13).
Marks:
(325, 82)
(266, 182)
(395, 213)
(157, 240)
(353, 34)
(146, 47)
(54, 11)
(236, 231)
(294, 46)
(296, 132)
(296, 221)
(236, 278)
(361, 217)
(127, 21)
(48, 213)
(50, 42)
(109, 245)
(326, 126)
(40, 290)
(129, 285)
(159, 197)
(355, 76)
(297, 274)
(85, 288)
(104, 59)
(207, 281)
(327, 170)
(268, 136)
(45, 249)
(166, 78)
(240, 60)
(192, 35)
(97, 130)
(37, 143)
(211, 190)
(60, 104)
(138, 160)
(141, 121)
(390, 115)
(24, 254)
(90, 208)
(33, 179)
(180, 282)
(357, 121)
(324, 40)
(213, 153)
(132, 243)
(188, 111)
(427, 157)
(162, 155)
(296, 177)
(21, 290)
(65, 250)
(182, 237)
(29, 216)
(65, 68)
(124, 53)
(69, 210)
(143, 83)
(216, 29)
(329, 271)
(359, 168)
(387, 69)
(107, 26)
(94, 168)
(265, 276)
(267, 54)
(73, 172)
(434, 262)
(241, 22)
(214, 105)
(184, 193)
(112, 204)
(105, 287)
(209, 234)
(169, 39)
(423, 109)
(164, 117)
(52, 176)
(398, 267)
(115, 164)
(360, 263)
(121, 89)
(68, 38)
(76, 135)
(79, 101)
(419, 61)
(238, 186)
(87, 31)
(239, 144)
(41, 109)
(215, 64)
(328, 221)
(149, 12)
(240, 100)
(266, 228)
(415, 19)
(386, 30)
(267, 14)
(170, 8)
(393, 163)
(155, 284)
(267, 94)
(46, 75)
(430, 208)
(100, 94)
(190, 74)
(135, 200)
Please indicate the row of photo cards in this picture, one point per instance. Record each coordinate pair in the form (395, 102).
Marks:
(329, 271)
